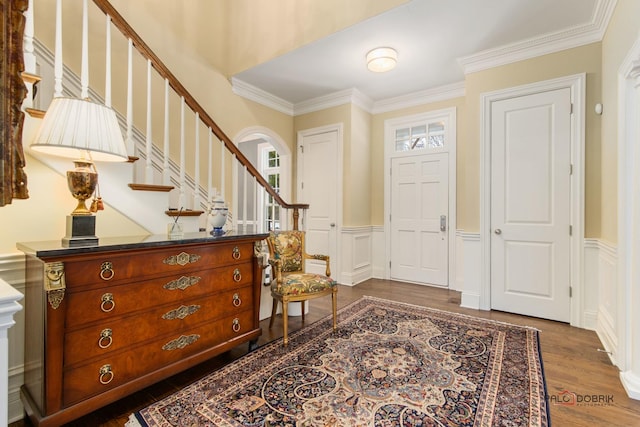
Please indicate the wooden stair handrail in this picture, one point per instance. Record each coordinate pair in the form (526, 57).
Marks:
(162, 69)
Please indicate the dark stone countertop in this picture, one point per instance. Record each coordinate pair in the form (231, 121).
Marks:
(54, 248)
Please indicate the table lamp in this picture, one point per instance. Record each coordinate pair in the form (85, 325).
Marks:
(87, 132)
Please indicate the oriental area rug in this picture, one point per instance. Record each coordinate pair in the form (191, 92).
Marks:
(388, 364)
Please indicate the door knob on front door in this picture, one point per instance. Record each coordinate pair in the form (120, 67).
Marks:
(498, 231)
(333, 224)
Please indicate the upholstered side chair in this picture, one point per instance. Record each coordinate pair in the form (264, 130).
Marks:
(290, 282)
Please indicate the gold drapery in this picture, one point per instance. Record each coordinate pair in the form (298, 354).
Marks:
(13, 179)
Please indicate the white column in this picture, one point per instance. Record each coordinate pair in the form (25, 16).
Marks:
(630, 375)
(9, 298)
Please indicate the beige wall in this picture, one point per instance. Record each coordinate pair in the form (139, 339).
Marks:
(585, 59)
(261, 30)
(620, 36)
(357, 173)
(377, 149)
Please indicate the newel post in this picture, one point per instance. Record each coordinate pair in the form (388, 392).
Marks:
(296, 216)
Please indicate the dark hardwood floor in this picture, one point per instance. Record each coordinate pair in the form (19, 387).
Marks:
(570, 355)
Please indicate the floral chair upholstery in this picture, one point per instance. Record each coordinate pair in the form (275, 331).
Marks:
(290, 282)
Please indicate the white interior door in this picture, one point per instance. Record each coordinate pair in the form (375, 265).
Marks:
(419, 218)
(318, 182)
(530, 205)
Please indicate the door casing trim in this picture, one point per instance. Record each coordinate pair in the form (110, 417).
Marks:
(577, 84)
(451, 148)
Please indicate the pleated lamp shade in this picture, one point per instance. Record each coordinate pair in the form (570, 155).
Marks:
(71, 126)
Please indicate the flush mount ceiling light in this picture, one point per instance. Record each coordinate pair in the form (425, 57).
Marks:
(381, 59)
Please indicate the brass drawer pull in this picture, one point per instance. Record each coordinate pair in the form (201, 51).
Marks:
(236, 300)
(181, 342)
(108, 303)
(181, 312)
(106, 271)
(182, 258)
(182, 283)
(236, 275)
(105, 338)
(236, 253)
(106, 374)
(236, 325)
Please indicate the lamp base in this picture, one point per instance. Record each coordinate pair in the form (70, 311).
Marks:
(81, 231)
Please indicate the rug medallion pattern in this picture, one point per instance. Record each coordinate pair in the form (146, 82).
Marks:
(389, 364)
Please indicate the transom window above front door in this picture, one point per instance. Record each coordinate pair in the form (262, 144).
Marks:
(421, 136)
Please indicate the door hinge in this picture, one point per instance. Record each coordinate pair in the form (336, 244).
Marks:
(302, 149)
(571, 169)
(389, 264)
(570, 291)
(302, 185)
(571, 109)
(571, 230)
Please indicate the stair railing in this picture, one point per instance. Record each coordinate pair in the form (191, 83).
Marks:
(188, 105)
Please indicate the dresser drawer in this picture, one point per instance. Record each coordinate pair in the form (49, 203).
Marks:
(98, 376)
(123, 333)
(111, 302)
(116, 267)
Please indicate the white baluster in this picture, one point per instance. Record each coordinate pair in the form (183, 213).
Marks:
(182, 155)
(166, 172)
(210, 193)
(107, 80)
(245, 179)
(234, 185)
(196, 177)
(148, 176)
(84, 73)
(130, 142)
(29, 56)
(255, 204)
(57, 70)
(222, 153)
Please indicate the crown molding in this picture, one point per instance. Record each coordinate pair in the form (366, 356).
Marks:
(549, 43)
(440, 93)
(253, 93)
(347, 96)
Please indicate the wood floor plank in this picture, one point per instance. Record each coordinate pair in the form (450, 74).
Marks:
(570, 355)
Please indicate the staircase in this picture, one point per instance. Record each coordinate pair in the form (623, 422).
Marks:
(179, 158)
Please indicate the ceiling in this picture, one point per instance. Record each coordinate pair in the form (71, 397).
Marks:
(436, 40)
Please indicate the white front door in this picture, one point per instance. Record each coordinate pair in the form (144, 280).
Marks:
(530, 205)
(318, 182)
(419, 218)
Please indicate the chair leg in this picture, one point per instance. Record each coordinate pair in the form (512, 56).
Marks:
(302, 304)
(274, 309)
(285, 321)
(334, 304)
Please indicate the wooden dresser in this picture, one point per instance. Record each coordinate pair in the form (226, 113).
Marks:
(107, 320)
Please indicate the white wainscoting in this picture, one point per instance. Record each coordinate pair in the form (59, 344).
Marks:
(378, 255)
(602, 296)
(469, 260)
(357, 255)
(457, 283)
(12, 272)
